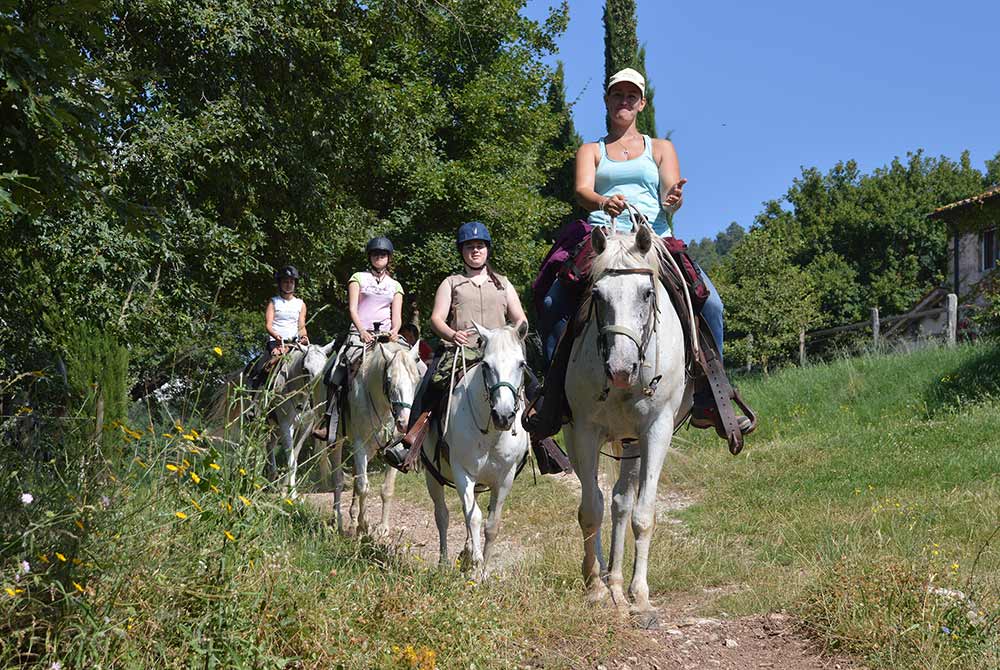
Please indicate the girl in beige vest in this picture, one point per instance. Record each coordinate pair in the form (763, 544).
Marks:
(478, 295)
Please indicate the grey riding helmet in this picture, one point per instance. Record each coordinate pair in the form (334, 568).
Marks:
(287, 272)
(473, 230)
(380, 243)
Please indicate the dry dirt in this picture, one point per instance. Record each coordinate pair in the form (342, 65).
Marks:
(684, 639)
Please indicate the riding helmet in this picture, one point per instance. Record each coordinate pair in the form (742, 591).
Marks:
(287, 272)
(379, 244)
(473, 230)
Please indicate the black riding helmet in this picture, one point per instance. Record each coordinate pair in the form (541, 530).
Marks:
(287, 272)
(379, 244)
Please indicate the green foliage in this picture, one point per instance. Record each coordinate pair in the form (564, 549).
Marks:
(97, 372)
(708, 252)
(766, 296)
(622, 50)
(562, 184)
(237, 137)
(874, 224)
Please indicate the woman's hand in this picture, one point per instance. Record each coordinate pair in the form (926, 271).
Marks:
(614, 205)
(460, 337)
(675, 196)
(304, 339)
(366, 337)
(393, 337)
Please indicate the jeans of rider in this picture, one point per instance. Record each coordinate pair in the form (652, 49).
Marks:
(559, 306)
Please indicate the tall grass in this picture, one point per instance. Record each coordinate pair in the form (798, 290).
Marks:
(865, 502)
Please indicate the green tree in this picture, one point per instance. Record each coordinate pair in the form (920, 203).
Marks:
(562, 182)
(768, 299)
(622, 50)
(708, 252)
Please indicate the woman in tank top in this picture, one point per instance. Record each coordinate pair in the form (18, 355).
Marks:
(627, 167)
(375, 305)
(285, 316)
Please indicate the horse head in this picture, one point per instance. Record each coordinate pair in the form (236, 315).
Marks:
(314, 359)
(503, 369)
(623, 299)
(400, 382)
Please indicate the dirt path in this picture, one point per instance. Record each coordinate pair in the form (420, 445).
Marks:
(684, 640)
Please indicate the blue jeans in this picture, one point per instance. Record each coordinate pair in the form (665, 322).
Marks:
(559, 306)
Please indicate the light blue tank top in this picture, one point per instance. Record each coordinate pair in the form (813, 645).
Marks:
(639, 181)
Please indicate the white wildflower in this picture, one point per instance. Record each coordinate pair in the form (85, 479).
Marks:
(25, 567)
(27, 498)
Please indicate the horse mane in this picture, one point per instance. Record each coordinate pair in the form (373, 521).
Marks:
(621, 253)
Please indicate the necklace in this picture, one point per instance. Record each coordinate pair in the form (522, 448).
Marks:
(621, 141)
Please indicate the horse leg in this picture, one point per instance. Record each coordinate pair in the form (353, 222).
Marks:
(436, 492)
(335, 456)
(285, 429)
(497, 498)
(621, 511)
(388, 490)
(360, 488)
(473, 517)
(654, 446)
(583, 444)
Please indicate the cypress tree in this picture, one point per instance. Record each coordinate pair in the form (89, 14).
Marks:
(622, 50)
(561, 183)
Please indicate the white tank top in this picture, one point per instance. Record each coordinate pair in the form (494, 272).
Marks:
(286, 317)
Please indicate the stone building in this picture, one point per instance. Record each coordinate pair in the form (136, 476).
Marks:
(972, 240)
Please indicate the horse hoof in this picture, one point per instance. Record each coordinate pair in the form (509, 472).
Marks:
(646, 620)
(596, 596)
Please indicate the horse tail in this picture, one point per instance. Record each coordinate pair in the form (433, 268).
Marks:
(227, 404)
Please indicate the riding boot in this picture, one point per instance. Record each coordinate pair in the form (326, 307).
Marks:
(550, 457)
(328, 432)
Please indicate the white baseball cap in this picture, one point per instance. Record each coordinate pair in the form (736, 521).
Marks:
(629, 75)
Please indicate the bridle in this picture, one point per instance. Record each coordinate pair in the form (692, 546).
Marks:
(641, 339)
(395, 403)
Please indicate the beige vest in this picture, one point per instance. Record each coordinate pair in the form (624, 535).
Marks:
(485, 304)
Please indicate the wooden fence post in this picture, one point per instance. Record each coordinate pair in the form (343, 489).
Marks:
(875, 326)
(802, 347)
(952, 319)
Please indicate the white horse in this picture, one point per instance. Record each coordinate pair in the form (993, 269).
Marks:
(379, 400)
(485, 442)
(291, 398)
(626, 380)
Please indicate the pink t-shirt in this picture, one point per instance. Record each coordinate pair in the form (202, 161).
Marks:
(375, 299)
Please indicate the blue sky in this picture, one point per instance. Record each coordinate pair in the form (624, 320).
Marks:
(755, 91)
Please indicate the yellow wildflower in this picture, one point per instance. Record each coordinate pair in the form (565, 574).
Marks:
(215, 489)
(186, 462)
(60, 557)
(171, 467)
(188, 436)
(78, 587)
(168, 435)
(229, 536)
(289, 501)
(195, 433)
(954, 566)
(13, 592)
(245, 501)
(217, 350)
(180, 515)
(196, 505)
(214, 466)
(243, 472)
(44, 558)
(139, 461)
(195, 478)
(79, 524)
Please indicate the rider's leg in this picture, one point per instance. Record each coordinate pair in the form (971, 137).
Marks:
(558, 304)
(424, 401)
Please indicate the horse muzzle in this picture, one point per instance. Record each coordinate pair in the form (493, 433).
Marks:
(622, 378)
(403, 420)
(502, 421)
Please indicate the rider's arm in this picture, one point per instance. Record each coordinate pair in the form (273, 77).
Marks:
(587, 158)
(439, 313)
(671, 195)
(515, 312)
(302, 323)
(269, 321)
(397, 313)
(353, 296)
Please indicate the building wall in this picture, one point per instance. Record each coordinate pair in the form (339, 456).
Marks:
(970, 262)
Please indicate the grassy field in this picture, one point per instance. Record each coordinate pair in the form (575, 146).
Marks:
(870, 483)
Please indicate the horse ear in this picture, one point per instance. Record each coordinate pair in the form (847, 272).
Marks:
(484, 333)
(598, 241)
(415, 351)
(522, 330)
(644, 239)
(328, 349)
